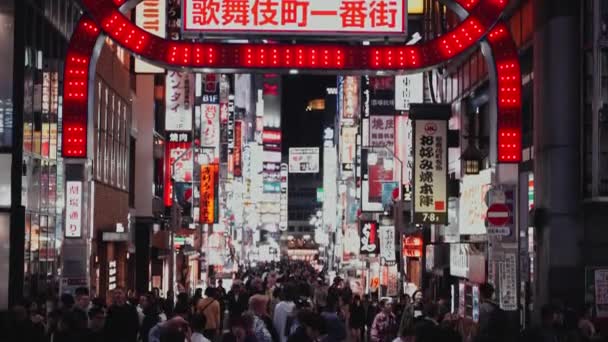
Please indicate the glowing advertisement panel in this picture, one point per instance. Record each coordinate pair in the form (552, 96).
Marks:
(331, 17)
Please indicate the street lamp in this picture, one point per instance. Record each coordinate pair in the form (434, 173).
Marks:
(471, 160)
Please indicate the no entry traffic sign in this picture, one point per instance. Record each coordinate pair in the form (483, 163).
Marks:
(498, 214)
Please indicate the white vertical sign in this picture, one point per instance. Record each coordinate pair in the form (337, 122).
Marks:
(408, 89)
(179, 95)
(507, 273)
(151, 15)
(387, 243)
(284, 197)
(73, 209)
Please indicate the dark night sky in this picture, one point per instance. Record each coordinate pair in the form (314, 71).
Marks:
(302, 128)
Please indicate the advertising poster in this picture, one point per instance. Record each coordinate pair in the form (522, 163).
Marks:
(304, 160)
(369, 238)
(430, 171)
(392, 286)
(600, 298)
(238, 147)
(179, 95)
(403, 151)
(459, 260)
(319, 17)
(473, 206)
(180, 170)
(351, 242)
(374, 277)
(387, 243)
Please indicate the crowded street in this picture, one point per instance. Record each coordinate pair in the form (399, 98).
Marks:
(303, 170)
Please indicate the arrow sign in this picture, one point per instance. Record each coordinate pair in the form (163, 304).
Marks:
(498, 214)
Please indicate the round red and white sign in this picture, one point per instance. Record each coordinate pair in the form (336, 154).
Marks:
(498, 214)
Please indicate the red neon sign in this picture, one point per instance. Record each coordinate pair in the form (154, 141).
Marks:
(106, 16)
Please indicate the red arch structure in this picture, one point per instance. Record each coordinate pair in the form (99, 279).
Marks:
(482, 23)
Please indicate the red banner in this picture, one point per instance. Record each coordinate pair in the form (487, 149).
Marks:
(209, 174)
(181, 171)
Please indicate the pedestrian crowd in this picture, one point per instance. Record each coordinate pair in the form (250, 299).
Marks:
(281, 302)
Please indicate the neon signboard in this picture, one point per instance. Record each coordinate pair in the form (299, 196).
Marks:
(331, 17)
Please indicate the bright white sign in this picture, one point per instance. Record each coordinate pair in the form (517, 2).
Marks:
(473, 207)
(179, 95)
(331, 17)
(387, 243)
(151, 15)
(408, 89)
(73, 209)
(304, 160)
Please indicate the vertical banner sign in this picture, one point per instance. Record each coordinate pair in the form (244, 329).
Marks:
(179, 98)
(348, 148)
(151, 15)
(73, 209)
(387, 243)
(382, 131)
(369, 237)
(209, 175)
(350, 100)
(174, 16)
(430, 124)
(508, 282)
(210, 118)
(392, 286)
(408, 89)
(230, 136)
(284, 197)
(238, 147)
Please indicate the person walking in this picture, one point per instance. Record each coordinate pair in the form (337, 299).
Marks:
(357, 319)
(197, 324)
(210, 308)
(384, 327)
(237, 301)
(336, 329)
(258, 304)
(122, 321)
(493, 321)
(283, 312)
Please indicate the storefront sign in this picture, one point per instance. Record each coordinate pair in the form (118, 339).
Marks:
(112, 275)
(331, 17)
(430, 171)
(408, 89)
(601, 292)
(392, 286)
(369, 237)
(411, 246)
(403, 151)
(209, 174)
(178, 96)
(73, 209)
(459, 260)
(382, 131)
(387, 243)
(151, 15)
(304, 160)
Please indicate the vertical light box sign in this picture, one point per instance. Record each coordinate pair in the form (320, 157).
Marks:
(151, 15)
(73, 209)
(430, 196)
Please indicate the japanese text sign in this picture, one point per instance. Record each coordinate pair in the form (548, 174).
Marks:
(238, 146)
(408, 89)
(369, 237)
(411, 246)
(151, 15)
(304, 160)
(350, 99)
(387, 243)
(178, 166)
(179, 99)
(430, 164)
(73, 209)
(209, 174)
(382, 131)
(332, 17)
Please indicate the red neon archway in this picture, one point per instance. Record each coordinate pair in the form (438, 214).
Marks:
(105, 17)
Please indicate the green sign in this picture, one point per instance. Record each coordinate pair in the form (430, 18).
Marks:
(320, 195)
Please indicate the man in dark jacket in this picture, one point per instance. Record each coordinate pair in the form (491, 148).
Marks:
(122, 321)
(237, 301)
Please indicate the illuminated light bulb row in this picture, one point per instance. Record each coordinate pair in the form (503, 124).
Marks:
(192, 54)
(497, 33)
(509, 145)
(302, 57)
(462, 38)
(394, 57)
(509, 92)
(90, 27)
